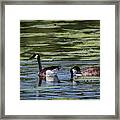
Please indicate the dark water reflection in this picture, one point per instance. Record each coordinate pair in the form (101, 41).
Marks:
(64, 43)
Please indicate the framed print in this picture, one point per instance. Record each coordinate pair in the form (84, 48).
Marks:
(60, 59)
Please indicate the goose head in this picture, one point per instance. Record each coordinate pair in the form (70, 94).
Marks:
(35, 55)
(75, 71)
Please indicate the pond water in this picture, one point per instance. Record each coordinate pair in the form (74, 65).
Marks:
(63, 43)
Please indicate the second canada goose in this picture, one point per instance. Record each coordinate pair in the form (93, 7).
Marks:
(87, 71)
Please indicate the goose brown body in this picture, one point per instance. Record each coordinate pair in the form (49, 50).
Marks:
(91, 71)
(42, 72)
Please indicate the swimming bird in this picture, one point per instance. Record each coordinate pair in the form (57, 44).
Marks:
(87, 71)
(47, 71)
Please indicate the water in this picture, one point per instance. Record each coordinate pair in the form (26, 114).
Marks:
(63, 43)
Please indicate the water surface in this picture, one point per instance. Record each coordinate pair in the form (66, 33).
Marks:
(63, 43)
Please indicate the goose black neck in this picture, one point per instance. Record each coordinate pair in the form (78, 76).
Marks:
(71, 72)
(39, 63)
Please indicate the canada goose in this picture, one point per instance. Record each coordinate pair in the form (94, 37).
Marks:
(47, 71)
(87, 71)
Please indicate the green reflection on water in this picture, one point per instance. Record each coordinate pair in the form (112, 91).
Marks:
(60, 40)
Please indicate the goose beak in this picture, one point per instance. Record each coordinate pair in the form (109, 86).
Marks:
(33, 56)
